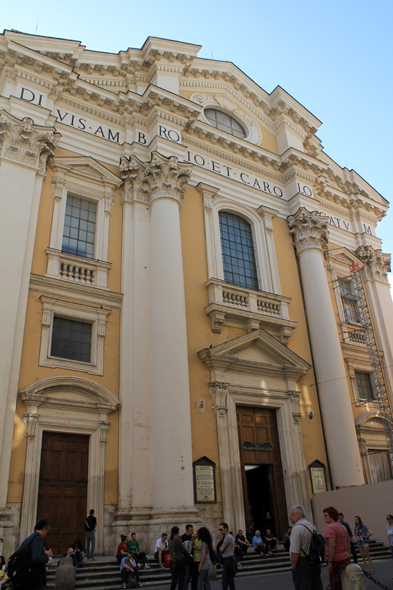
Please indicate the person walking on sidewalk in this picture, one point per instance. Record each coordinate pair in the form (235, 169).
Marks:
(304, 575)
(90, 528)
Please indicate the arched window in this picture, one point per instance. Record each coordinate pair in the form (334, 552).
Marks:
(237, 248)
(224, 122)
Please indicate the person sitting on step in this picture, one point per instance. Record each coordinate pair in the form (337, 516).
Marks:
(258, 544)
(134, 548)
(161, 548)
(271, 543)
(78, 552)
(129, 572)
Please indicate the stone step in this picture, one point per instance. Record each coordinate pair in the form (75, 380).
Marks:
(104, 575)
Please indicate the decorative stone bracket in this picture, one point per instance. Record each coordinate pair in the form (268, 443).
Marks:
(219, 392)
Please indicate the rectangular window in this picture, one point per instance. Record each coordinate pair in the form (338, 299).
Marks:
(380, 466)
(71, 340)
(349, 302)
(365, 389)
(79, 227)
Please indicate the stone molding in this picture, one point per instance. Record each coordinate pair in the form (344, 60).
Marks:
(66, 404)
(25, 143)
(376, 264)
(78, 312)
(221, 101)
(237, 381)
(309, 230)
(161, 178)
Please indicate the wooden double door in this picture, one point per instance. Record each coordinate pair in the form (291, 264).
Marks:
(262, 475)
(62, 492)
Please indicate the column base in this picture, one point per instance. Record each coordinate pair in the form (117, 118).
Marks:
(149, 523)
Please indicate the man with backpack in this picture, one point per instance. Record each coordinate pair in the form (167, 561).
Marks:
(27, 566)
(305, 561)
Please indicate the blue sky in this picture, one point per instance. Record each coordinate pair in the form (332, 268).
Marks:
(333, 57)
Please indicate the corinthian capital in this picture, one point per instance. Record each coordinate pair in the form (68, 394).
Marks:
(132, 172)
(309, 230)
(22, 141)
(166, 177)
(376, 264)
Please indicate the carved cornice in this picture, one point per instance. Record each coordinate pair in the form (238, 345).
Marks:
(219, 393)
(23, 142)
(272, 112)
(309, 230)
(376, 264)
(160, 178)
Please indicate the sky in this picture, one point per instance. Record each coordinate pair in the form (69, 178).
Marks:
(334, 57)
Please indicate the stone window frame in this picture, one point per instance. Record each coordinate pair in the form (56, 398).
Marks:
(79, 312)
(370, 438)
(229, 106)
(86, 179)
(360, 366)
(261, 222)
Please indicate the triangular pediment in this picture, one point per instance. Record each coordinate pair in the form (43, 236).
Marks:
(344, 257)
(86, 168)
(255, 353)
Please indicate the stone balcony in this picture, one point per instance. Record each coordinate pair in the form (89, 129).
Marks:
(352, 333)
(244, 308)
(76, 269)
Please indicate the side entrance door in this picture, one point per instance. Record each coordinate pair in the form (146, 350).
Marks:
(262, 476)
(62, 493)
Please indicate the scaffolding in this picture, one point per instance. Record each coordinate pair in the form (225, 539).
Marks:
(385, 410)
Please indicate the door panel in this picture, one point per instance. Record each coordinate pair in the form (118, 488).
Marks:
(62, 493)
(262, 475)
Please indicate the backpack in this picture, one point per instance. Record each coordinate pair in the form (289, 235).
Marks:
(22, 571)
(316, 552)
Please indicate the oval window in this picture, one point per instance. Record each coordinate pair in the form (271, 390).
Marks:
(224, 122)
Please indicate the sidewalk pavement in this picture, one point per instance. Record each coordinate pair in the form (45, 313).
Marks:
(383, 572)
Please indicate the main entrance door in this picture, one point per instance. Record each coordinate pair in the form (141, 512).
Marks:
(62, 492)
(262, 477)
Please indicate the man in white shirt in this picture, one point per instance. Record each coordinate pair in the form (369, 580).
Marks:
(304, 575)
(161, 548)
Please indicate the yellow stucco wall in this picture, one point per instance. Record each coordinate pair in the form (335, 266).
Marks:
(31, 372)
(200, 335)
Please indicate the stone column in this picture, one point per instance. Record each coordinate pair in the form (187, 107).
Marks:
(310, 236)
(135, 470)
(173, 494)
(24, 149)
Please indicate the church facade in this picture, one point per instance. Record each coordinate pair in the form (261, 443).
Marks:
(180, 337)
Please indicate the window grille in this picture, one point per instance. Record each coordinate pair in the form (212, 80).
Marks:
(349, 301)
(237, 248)
(71, 340)
(365, 389)
(224, 122)
(79, 227)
